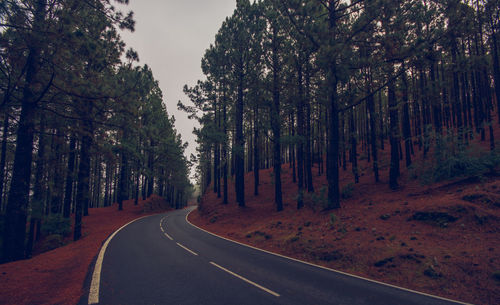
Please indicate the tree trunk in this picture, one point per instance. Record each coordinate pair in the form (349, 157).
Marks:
(137, 181)
(144, 182)
(69, 178)
(333, 119)
(406, 122)
(394, 135)
(58, 182)
(37, 203)
(239, 150)
(124, 174)
(216, 155)
(276, 123)
(82, 191)
(300, 144)
(98, 183)
(224, 117)
(436, 105)
(381, 120)
(354, 145)
(107, 187)
(3, 157)
(256, 163)
(373, 133)
(308, 161)
(496, 70)
(292, 148)
(151, 178)
(16, 210)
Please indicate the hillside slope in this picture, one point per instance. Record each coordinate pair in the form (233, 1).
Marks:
(441, 239)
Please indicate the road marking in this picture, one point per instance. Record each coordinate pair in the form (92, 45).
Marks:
(96, 275)
(161, 227)
(246, 280)
(161, 223)
(187, 249)
(324, 268)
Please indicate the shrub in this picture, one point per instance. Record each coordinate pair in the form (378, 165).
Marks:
(496, 275)
(333, 219)
(432, 273)
(56, 225)
(437, 218)
(318, 200)
(330, 256)
(385, 216)
(347, 191)
(384, 261)
(52, 242)
(452, 159)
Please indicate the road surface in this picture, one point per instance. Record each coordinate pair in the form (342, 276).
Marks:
(163, 259)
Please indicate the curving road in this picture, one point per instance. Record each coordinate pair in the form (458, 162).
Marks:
(163, 259)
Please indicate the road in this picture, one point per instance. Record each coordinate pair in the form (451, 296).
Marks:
(163, 259)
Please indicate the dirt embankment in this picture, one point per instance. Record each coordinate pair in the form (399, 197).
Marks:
(442, 239)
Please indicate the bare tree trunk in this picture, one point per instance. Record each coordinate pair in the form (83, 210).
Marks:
(256, 163)
(308, 161)
(354, 144)
(225, 157)
(82, 192)
(406, 122)
(394, 136)
(239, 151)
(3, 157)
(300, 131)
(373, 132)
(276, 123)
(69, 178)
(16, 211)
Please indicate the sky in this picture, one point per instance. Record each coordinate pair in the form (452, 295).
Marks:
(171, 37)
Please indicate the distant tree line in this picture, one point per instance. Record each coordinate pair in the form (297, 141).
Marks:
(81, 126)
(314, 81)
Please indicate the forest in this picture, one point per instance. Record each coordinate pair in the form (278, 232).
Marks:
(83, 126)
(321, 84)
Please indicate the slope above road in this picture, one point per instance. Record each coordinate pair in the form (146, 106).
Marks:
(440, 239)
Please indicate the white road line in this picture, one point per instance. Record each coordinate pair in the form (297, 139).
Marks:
(187, 249)
(246, 280)
(324, 268)
(96, 276)
(161, 227)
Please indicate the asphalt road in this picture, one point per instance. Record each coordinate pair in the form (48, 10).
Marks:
(163, 259)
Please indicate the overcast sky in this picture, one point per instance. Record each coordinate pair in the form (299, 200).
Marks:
(171, 36)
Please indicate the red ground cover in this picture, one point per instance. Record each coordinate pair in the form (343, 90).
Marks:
(57, 276)
(373, 234)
